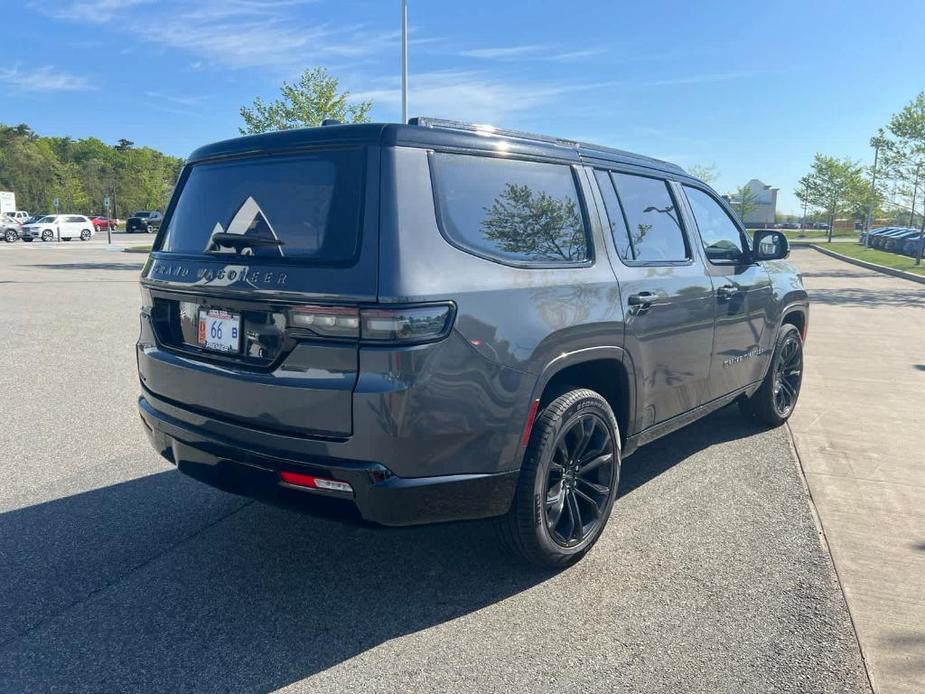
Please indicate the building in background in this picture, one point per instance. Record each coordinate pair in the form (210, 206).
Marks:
(765, 210)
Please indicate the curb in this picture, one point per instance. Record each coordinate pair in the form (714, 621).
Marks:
(871, 266)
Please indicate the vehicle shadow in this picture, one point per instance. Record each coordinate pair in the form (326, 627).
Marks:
(868, 298)
(163, 583)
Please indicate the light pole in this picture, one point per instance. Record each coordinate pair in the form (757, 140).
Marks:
(875, 141)
(404, 61)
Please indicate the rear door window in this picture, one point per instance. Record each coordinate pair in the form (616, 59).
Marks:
(305, 207)
(653, 219)
(514, 211)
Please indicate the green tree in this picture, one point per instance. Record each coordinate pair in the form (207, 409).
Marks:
(306, 103)
(834, 187)
(907, 147)
(744, 200)
(707, 174)
(83, 172)
(524, 221)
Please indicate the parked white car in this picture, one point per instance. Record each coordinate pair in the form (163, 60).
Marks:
(72, 226)
(18, 215)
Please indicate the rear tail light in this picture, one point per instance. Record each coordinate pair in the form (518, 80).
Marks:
(327, 321)
(404, 324)
(298, 479)
(146, 300)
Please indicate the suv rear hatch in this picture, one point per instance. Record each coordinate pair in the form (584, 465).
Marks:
(251, 279)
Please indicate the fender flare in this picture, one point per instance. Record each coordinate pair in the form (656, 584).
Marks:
(587, 354)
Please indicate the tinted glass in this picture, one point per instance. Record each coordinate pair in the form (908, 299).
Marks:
(310, 203)
(614, 215)
(720, 235)
(655, 229)
(76, 220)
(140, 215)
(512, 210)
(47, 220)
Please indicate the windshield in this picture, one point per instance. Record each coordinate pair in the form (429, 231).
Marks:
(47, 220)
(142, 215)
(305, 206)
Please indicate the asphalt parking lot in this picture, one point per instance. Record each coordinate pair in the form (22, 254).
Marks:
(117, 573)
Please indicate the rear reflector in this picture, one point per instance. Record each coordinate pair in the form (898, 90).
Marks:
(534, 406)
(301, 480)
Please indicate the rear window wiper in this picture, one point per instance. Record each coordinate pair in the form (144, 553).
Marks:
(239, 241)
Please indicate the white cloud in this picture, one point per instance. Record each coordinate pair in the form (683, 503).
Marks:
(471, 95)
(180, 99)
(231, 33)
(44, 79)
(96, 11)
(531, 52)
(503, 52)
(700, 79)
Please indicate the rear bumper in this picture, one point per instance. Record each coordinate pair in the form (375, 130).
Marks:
(378, 495)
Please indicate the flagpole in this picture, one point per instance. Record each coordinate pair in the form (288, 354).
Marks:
(404, 61)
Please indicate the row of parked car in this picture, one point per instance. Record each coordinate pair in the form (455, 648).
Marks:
(48, 227)
(905, 240)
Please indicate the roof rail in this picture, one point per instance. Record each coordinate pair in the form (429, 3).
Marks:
(485, 129)
(589, 148)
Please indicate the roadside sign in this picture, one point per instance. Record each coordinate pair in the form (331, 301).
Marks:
(56, 203)
(106, 202)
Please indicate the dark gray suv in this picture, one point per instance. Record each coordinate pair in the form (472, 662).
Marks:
(440, 321)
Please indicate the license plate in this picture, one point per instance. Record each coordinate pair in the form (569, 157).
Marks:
(219, 330)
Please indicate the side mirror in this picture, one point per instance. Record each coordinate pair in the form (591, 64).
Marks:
(770, 245)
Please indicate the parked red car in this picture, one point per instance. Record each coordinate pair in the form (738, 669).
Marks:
(103, 223)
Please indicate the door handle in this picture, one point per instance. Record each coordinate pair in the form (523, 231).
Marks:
(727, 291)
(642, 299)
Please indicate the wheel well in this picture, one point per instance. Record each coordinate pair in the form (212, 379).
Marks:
(798, 319)
(604, 376)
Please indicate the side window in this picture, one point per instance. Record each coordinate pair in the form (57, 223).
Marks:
(654, 224)
(517, 211)
(75, 220)
(722, 240)
(615, 217)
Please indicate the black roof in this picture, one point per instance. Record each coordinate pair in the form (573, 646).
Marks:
(425, 132)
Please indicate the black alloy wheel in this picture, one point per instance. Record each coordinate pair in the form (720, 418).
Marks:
(579, 480)
(776, 397)
(568, 481)
(788, 375)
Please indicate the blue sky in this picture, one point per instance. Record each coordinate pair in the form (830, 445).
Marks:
(752, 88)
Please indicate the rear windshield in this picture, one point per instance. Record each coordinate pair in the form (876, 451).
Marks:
(304, 206)
(141, 215)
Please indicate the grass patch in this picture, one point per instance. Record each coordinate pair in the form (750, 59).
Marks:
(872, 255)
(137, 249)
(817, 235)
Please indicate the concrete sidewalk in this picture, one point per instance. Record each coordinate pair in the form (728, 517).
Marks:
(860, 428)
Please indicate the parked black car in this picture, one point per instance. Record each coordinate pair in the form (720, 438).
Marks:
(911, 245)
(895, 242)
(439, 321)
(878, 240)
(148, 221)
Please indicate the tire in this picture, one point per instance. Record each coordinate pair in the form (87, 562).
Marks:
(47, 235)
(98, 228)
(149, 229)
(85, 235)
(541, 525)
(10, 235)
(774, 401)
